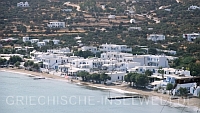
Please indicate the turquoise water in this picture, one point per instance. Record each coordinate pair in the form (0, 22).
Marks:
(22, 94)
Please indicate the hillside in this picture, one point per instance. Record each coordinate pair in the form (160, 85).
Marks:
(89, 19)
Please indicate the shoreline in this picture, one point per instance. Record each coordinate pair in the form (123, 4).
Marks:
(192, 103)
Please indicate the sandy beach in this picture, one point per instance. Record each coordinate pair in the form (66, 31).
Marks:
(191, 102)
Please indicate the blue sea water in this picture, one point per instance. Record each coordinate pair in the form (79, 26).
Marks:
(23, 94)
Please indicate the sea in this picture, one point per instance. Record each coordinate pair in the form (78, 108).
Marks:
(20, 93)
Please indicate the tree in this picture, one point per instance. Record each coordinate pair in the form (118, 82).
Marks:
(148, 73)
(96, 77)
(169, 87)
(26, 64)
(36, 66)
(152, 51)
(104, 77)
(84, 54)
(183, 91)
(127, 78)
(2, 61)
(194, 69)
(14, 59)
(133, 78)
(142, 80)
(83, 75)
(17, 64)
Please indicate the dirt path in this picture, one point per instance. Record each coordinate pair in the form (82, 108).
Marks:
(73, 5)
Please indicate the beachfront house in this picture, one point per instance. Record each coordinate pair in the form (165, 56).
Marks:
(116, 76)
(177, 77)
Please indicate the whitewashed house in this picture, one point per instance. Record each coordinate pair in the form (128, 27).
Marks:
(22, 4)
(52, 61)
(25, 39)
(156, 60)
(90, 48)
(56, 41)
(77, 38)
(115, 56)
(40, 44)
(56, 24)
(132, 21)
(67, 10)
(191, 37)
(59, 51)
(46, 40)
(34, 40)
(156, 37)
(114, 48)
(111, 17)
(134, 28)
(116, 76)
(142, 69)
(193, 7)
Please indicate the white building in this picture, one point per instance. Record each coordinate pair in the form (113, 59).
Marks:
(21, 4)
(89, 48)
(142, 69)
(171, 71)
(155, 37)
(111, 17)
(193, 7)
(77, 38)
(172, 52)
(156, 60)
(116, 76)
(46, 40)
(59, 51)
(40, 44)
(56, 24)
(67, 10)
(114, 48)
(25, 39)
(34, 40)
(191, 37)
(56, 41)
(115, 56)
(134, 28)
(132, 21)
